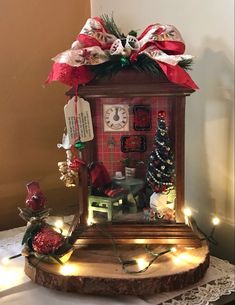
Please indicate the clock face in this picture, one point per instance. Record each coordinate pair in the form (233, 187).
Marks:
(116, 117)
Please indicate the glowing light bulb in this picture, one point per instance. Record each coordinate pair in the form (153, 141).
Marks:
(5, 261)
(67, 269)
(215, 221)
(187, 212)
(59, 224)
(141, 262)
(89, 221)
(173, 249)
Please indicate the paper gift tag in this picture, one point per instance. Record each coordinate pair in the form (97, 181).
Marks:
(85, 129)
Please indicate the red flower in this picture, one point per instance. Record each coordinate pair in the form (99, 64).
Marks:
(47, 241)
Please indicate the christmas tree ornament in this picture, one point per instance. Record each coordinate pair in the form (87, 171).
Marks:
(65, 142)
(80, 145)
(69, 169)
(124, 61)
(162, 114)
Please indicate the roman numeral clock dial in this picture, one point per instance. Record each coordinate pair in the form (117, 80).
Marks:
(116, 117)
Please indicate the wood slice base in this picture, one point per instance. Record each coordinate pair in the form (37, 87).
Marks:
(97, 271)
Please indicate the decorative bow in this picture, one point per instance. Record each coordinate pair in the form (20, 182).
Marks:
(76, 164)
(94, 46)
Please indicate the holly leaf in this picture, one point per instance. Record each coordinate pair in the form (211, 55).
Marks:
(30, 233)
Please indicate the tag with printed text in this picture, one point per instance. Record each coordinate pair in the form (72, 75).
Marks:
(85, 128)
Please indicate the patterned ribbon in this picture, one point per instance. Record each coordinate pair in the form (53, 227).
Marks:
(94, 45)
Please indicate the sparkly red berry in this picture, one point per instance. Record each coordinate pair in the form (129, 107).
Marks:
(162, 114)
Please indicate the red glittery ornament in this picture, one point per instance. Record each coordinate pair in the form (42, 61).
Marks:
(162, 114)
(47, 241)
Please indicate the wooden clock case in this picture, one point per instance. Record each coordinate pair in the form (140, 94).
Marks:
(97, 269)
(129, 84)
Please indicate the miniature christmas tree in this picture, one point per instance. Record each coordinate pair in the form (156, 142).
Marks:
(161, 168)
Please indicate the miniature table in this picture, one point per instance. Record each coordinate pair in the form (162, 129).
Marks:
(131, 184)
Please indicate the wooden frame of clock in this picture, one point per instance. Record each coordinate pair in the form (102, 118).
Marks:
(129, 84)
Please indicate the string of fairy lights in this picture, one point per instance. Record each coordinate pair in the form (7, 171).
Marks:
(140, 264)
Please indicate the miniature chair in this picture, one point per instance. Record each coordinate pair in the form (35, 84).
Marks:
(103, 198)
(104, 205)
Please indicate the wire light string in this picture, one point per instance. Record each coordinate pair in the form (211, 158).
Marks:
(126, 263)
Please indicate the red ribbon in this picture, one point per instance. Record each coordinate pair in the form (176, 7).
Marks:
(76, 164)
(94, 34)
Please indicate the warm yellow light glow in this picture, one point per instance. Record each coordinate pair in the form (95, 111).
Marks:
(65, 232)
(120, 201)
(185, 258)
(5, 261)
(187, 212)
(141, 262)
(59, 224)
(173, 249)
(68, 269)
(215, 221)
(89, 221)
(10, 276)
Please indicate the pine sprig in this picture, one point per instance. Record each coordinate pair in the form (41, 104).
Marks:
(111, 26)
(146, 64)
(186, 64)
(142, 64)
(109, 68)
(116, 63)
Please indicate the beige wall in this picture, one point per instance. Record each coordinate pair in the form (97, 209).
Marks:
(32, 122)
(208, 30)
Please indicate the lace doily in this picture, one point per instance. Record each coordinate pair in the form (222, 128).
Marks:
(206, 291)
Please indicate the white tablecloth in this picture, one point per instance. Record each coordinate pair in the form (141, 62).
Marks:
(16, 288)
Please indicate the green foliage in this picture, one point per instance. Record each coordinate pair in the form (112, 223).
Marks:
(143, 63)
(27, 213)
(133, 33)
(111, 26)
(186, 64)
(30, 233)
(116, 63)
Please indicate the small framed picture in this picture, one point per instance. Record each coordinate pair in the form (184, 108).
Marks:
(133, 143)
(142, 117)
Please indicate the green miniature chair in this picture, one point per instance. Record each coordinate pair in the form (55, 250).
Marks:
(104, 205)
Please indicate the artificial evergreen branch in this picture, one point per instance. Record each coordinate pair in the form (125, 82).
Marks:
(111, 26)
(186, 64)
(142, 64)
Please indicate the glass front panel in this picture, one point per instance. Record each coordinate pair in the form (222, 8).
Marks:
(132, 176)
